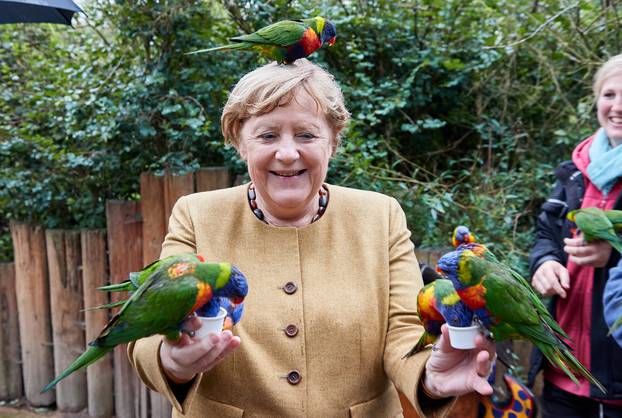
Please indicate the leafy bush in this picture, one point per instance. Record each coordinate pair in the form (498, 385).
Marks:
(460, 109)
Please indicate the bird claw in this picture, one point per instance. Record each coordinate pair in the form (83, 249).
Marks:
(485, 331)
(188, 332)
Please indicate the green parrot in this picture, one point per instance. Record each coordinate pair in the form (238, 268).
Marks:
(135, 279)
(174, 288)
(285, 41)
(509, 310)
(596, 225)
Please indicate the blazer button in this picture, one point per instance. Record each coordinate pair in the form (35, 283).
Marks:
(290, 288)
(291, 330)
(294, 377)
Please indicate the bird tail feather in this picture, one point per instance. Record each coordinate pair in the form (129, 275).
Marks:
(425, 340)
(118, 287)
(106, 306)
(563, 358)
(90, 356)
(220, 48)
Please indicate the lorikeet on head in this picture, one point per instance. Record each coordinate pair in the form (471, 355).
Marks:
(595, 224)
(461, 235)
(509, 309)
(176, 287)
(285, 41)
(438, 303)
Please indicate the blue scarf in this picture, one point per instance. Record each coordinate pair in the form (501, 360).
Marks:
(605, 166)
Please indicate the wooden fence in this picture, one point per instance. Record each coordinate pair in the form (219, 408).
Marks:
(54, 277)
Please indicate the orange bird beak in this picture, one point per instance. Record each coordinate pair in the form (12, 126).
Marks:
(331, 41)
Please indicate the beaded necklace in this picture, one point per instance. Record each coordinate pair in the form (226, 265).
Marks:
(323, 202)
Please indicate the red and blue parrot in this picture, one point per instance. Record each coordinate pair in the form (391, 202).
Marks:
(285, 41)
(506, 306)
(164, 294)
(437, 303)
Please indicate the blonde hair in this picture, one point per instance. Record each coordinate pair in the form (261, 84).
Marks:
(262, 90)
(611, 68)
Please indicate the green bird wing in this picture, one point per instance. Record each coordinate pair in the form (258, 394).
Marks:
(596, 225)
(506, 301)
(283, 33)
(593, 223)
(518, 308)
(615, 217)
(157, 307)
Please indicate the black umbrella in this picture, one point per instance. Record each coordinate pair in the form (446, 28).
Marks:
(37, 11)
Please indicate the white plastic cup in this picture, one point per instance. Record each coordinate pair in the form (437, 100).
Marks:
(211, 324)
(463, 338)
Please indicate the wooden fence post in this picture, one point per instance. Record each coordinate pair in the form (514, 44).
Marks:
(212, 178)
(125, 256)
(152, 210)
(66, 302)
(10, 359)
(33, 306)
(174, 188)
(95, 274)
(154, 229)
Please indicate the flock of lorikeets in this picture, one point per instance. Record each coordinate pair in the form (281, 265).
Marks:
(476, 287)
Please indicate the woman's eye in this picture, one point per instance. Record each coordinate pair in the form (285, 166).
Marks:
(609, 94)
(267, 136)
(306, 135)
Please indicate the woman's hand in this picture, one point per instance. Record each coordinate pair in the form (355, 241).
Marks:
(551, 278)
(453, 372)
(595, 253)
(185, 358)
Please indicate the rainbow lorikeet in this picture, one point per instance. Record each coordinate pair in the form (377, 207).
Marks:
(135, 279)
(508, 310)
(285, 41)
(461, 235)
(176, 288)
(437, 303)
(596, 225)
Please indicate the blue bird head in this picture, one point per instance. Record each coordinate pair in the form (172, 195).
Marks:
(236, 288)
(462, 235)
(448, 266)
(329, 33)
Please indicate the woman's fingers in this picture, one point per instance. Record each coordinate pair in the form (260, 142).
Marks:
(224, 347)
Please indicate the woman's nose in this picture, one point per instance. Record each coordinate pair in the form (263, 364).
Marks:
(287, 150)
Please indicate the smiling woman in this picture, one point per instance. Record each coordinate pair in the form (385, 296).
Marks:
(574, 271)
(332, 274)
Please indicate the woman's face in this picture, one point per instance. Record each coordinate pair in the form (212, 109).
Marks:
(287, 152)
(609, 109)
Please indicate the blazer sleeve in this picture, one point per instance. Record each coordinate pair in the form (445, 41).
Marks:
(612, 300)
(144, 354)
(404, 326)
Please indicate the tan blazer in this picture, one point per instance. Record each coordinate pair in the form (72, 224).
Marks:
(334, 301)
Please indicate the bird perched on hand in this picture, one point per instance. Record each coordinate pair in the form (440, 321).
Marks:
(175, 288)
(596, 225)
(509, 310)
(615, 216)
(438, 303)
(284, 41)
(461, 235)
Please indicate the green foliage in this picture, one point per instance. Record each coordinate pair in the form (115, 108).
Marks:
(461, 109)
